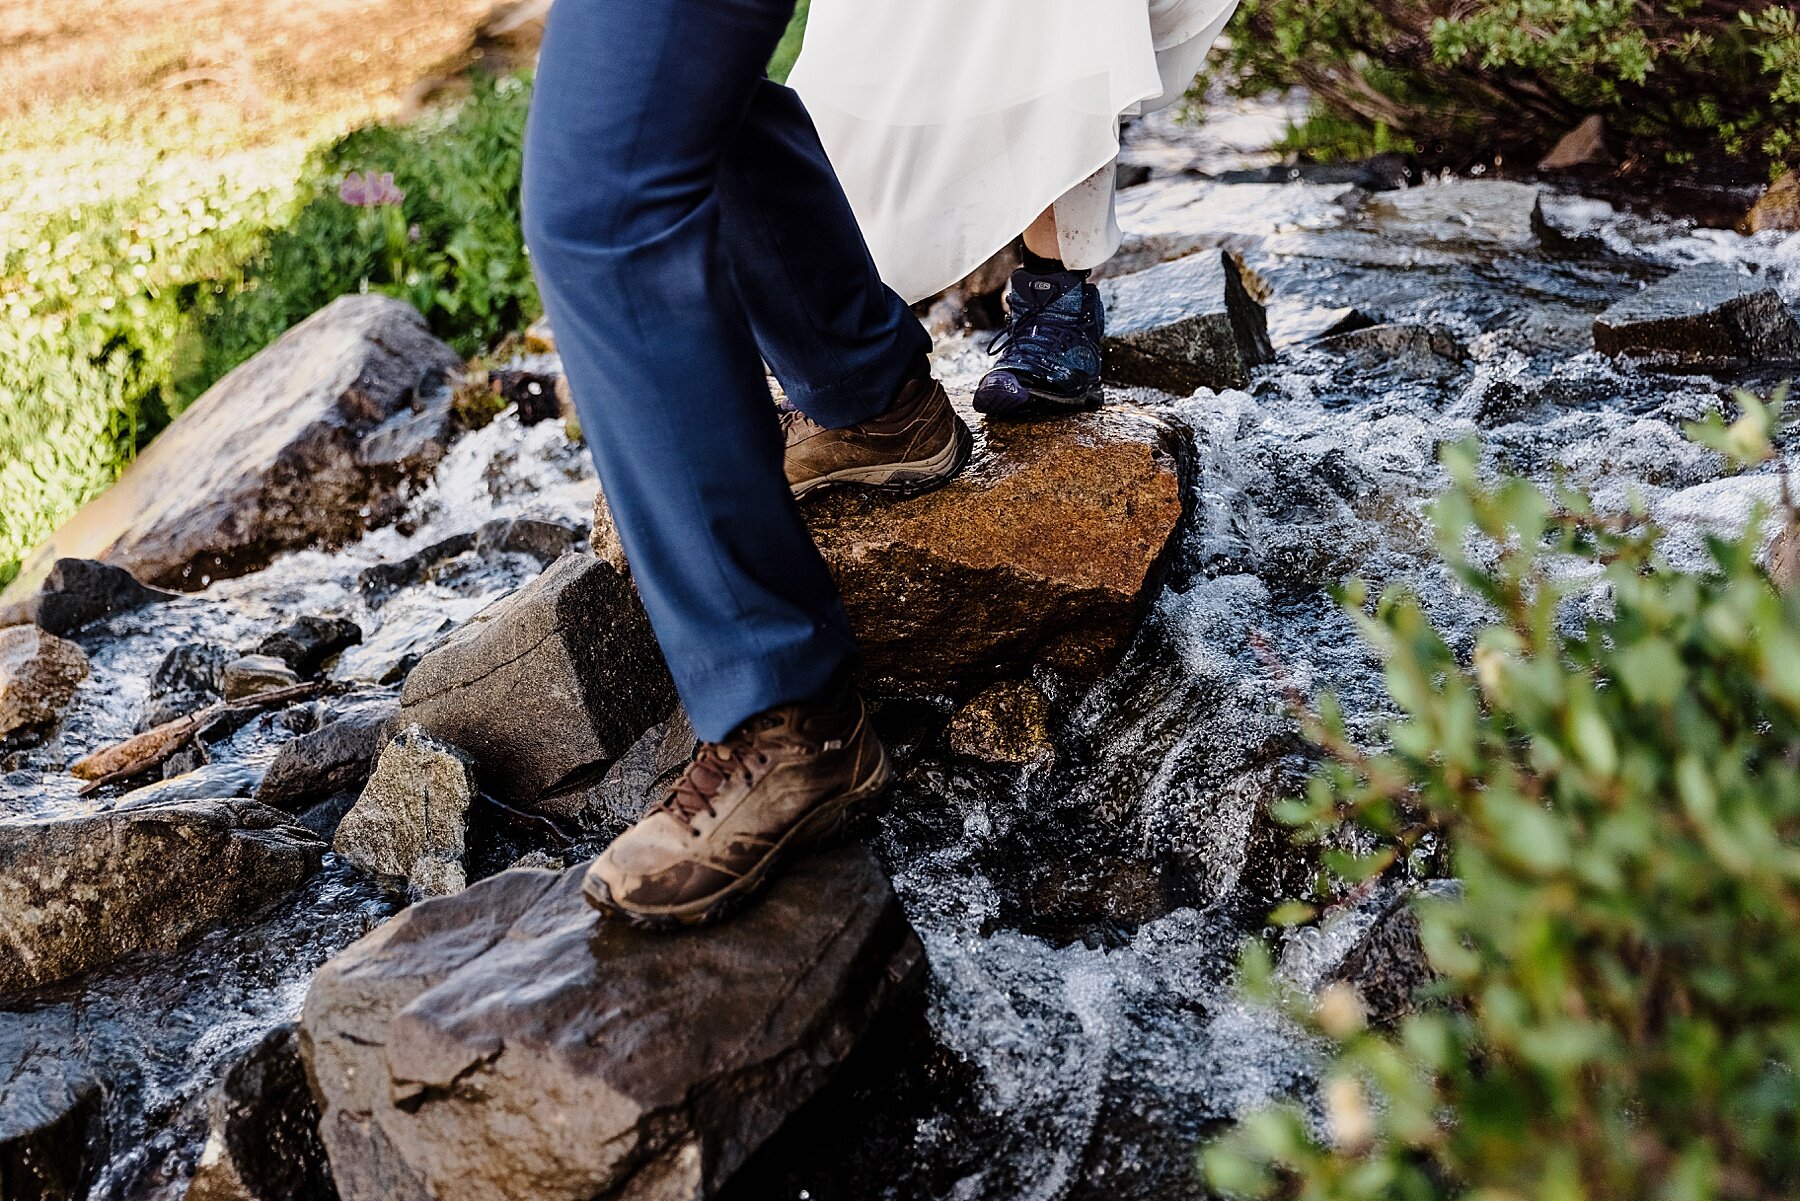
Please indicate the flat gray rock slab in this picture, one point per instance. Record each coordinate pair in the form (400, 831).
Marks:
(1706, 317)
(1197, 322)
(552, 681)
(506, 1044)
(78, 892)
(316, 439)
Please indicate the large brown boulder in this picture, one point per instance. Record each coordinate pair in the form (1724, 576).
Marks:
(77, 892)
(310, 443)
(553, 680)
(1041, 551)
(505, 1044)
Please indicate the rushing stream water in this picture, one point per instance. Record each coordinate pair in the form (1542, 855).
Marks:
(1082, 917)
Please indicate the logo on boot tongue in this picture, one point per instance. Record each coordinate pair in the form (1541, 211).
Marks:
(1042, 285)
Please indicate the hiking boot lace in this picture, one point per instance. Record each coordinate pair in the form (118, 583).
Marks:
(1039, 331)
(712, 767)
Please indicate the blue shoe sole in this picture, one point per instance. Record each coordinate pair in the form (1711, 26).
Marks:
(1020, 401)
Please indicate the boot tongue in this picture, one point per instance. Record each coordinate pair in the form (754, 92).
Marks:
(1057, 293)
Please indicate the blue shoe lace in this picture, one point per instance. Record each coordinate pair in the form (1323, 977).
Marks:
(1037, 332)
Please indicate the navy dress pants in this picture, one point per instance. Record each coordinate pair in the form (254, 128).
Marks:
(685, 226)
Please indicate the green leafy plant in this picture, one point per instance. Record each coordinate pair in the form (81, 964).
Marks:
(1617, 1013)
(119, 314)
(1677, 79)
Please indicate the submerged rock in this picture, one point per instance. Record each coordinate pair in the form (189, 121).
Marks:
(79, 592)
(262, 1141)
(411, 821)
(77, 892)
(305, 643)
(558, 678)
(52, 1125)
(1707, 317)
(1008, 722)
(1197, 322)
(442, 1044)
(38, 676)
(1411, 351)
(309, 443)
(191, 676)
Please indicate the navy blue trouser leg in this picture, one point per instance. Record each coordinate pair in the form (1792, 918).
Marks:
(684, 223)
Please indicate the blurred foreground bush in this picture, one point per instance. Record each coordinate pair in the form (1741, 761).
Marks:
(1711, 82)
(1617, 1015)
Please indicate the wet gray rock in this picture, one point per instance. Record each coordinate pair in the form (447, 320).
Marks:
(305, 643)
(1489, 214)
(1197, 322)
(207, 782)
(256, 673)
(39, 673)
(439, 1043)
(52, 1128)
(411, 822)
(1708, 317)
(79, 592)
(76, 892)
(1378, 173)
(1388, 966)
(309, 443)
(190, 677)
(1410, 351)
(333, 758)
(557, 679)
(262, 1140)
(545, 541)
(603, 808)
(1005, 723)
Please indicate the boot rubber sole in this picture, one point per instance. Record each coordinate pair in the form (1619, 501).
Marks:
(902, 479)
(823, 827)
(1040, 403)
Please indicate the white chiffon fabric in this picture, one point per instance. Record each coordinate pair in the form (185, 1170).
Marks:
(954, 123)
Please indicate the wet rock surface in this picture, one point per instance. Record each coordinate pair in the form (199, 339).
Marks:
(411, 822)
(1007, 722)
(1196, 322)
(558, 678)
(337, 756)
(1711, 316)
(79, 892)
(668, 1058)
(307, 642)
(252, 674)
(38, 676)
(262, 1141)
(1041, 551)
(294, 446)
(79, 592)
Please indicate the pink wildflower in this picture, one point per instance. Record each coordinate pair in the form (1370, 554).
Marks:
(370, 190)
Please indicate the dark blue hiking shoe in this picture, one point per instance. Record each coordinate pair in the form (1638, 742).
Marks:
(1050, 349)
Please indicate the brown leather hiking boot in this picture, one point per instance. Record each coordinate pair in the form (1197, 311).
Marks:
(785, 780)
(917, 445)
